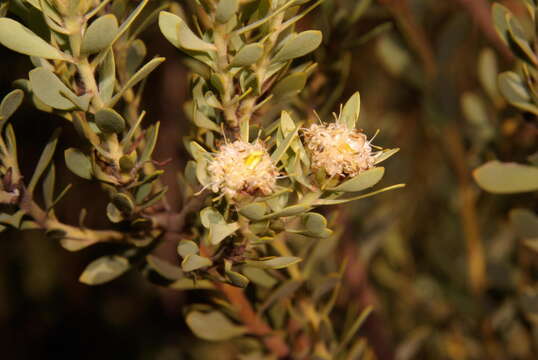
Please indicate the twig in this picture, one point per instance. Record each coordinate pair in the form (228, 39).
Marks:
(255, 325)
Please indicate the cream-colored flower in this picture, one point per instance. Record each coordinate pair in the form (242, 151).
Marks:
(338, 150)
(242, 167)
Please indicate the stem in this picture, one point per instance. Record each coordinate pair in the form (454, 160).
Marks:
(86, 73)
(255, 325)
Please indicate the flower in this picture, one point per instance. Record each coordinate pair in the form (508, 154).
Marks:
(338, 150)
(241, 167)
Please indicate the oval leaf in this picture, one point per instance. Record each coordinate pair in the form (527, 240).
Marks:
(109, 121)
(506, 178)
(186, 248)
(248, 55)
(19, 38)
(104, 269)
(226, 9)
(362, 181)
(299, 45)
(195, 262)
(99, 34)
(50, 89)
(180, 35)
(213, 326)
(78, 163)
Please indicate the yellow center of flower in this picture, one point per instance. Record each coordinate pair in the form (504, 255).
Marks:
(253, 159)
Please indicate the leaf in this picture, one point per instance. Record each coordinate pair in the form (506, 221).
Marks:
(194, 262)
(315, 223)
(114, 214)
(515, 91)
(259, 276)
(289, 211)
(104, 269)
(186, 248)
(358, 197)
(78, 163)
(19, 38)
(151, 140)
(362, 181)
(135, 55)
(298, 45)
(50, 89)
(213, 326)
(519, 41)
(136, 78)
(385, 154)
(99, 34)
(109, 121)
(247, 55)
(237, 279)
(219, 232)
(226, 9)
(254, 211)
(285, 290)
(123, 202)
(351, 111)
(48, 187)
(10, 103)
(290, 85)
(525, 223)
(162, 272)
(274, 262)
(107, 77)
(281, 149)
(178, 33)
(209, 216)
(506, 178)
(500, 16)
(44, 160)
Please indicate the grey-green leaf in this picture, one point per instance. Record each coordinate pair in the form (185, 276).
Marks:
(194, 262)
(104, 269)
(213, 326)
(275, 262)
(19, 38)
(109, 121)
(136, 78)
(219, 232)
(254, 211)
(78, 163)
(507, 178)
(50, 89)
(290, 85)
(513, 88)
(248, 55)
(44, 160)
(99, 34)
(351, 111)
(226, 9)
(180, 35)
(186, 248)
(10, 103)
(525, 223)
(361, 181)
(237, 279)
(299, 45)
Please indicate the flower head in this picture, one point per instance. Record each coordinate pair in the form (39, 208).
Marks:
(338, 150)
(241, 167)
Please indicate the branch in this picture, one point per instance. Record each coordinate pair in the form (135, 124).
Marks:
(274, 342)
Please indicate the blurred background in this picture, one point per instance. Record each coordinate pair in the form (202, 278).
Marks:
(439, 260)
